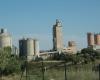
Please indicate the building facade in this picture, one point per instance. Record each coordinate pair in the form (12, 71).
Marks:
(71, 49)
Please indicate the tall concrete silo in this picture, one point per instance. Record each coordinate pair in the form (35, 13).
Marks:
(28, 48)
(22, 48)
(90, 39)
(5, 39)
(97, 39)
(36, 47)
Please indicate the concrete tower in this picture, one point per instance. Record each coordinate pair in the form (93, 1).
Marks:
(5, 39)
(22, 48)
(36, 47)
(26, 48)
(30, 46)
(97, 39)
(90, 39)
(57, 36)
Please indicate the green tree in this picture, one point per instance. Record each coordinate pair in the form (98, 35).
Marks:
(4, 58)
(90, 55)
(8, 63)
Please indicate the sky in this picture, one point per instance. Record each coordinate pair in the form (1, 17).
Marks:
(35, 18)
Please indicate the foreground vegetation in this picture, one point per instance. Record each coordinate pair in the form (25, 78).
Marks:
(75, 72)
(84, 66)
(9, 63)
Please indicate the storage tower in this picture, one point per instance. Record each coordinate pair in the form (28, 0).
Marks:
(97, 39)
(90, 39)
(36, 47)
(57, 36)
(5, 39)
(28, 48)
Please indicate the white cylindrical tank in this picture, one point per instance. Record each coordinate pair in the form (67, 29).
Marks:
(36, 47)
(5, 39)
(30, 47)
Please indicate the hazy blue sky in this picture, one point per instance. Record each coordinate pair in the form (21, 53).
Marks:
(35, 18)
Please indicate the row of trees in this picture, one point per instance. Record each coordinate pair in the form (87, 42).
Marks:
(85, 56)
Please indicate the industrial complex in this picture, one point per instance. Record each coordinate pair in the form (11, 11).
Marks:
(29, 47)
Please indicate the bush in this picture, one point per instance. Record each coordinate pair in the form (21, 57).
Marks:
(8, 63)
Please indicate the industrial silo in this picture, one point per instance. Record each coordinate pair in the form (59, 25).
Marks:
(22, 48)
(30, 47)
(36, 47)
(5, 39)
(90, 39)
(97, 39)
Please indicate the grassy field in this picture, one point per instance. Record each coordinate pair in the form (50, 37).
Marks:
(53, 72)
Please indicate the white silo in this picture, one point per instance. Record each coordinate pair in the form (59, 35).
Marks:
(26, 48)
(5, 39)
(30, 47)
(36, 47)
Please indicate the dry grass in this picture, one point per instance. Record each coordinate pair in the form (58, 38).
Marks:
(83, 72)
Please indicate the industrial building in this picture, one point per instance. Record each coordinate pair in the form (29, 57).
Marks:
(5, 39)
(93, 41)
(97, 39)
(57, 36)
(58, 40)
(90, 39)
(71, 43)
(28, 47)
(36, 47)
(71, 49)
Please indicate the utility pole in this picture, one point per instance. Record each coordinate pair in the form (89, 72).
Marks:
(65, 71)
(42, 70)
(26, 63)
(26, 70)
(99, 71)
